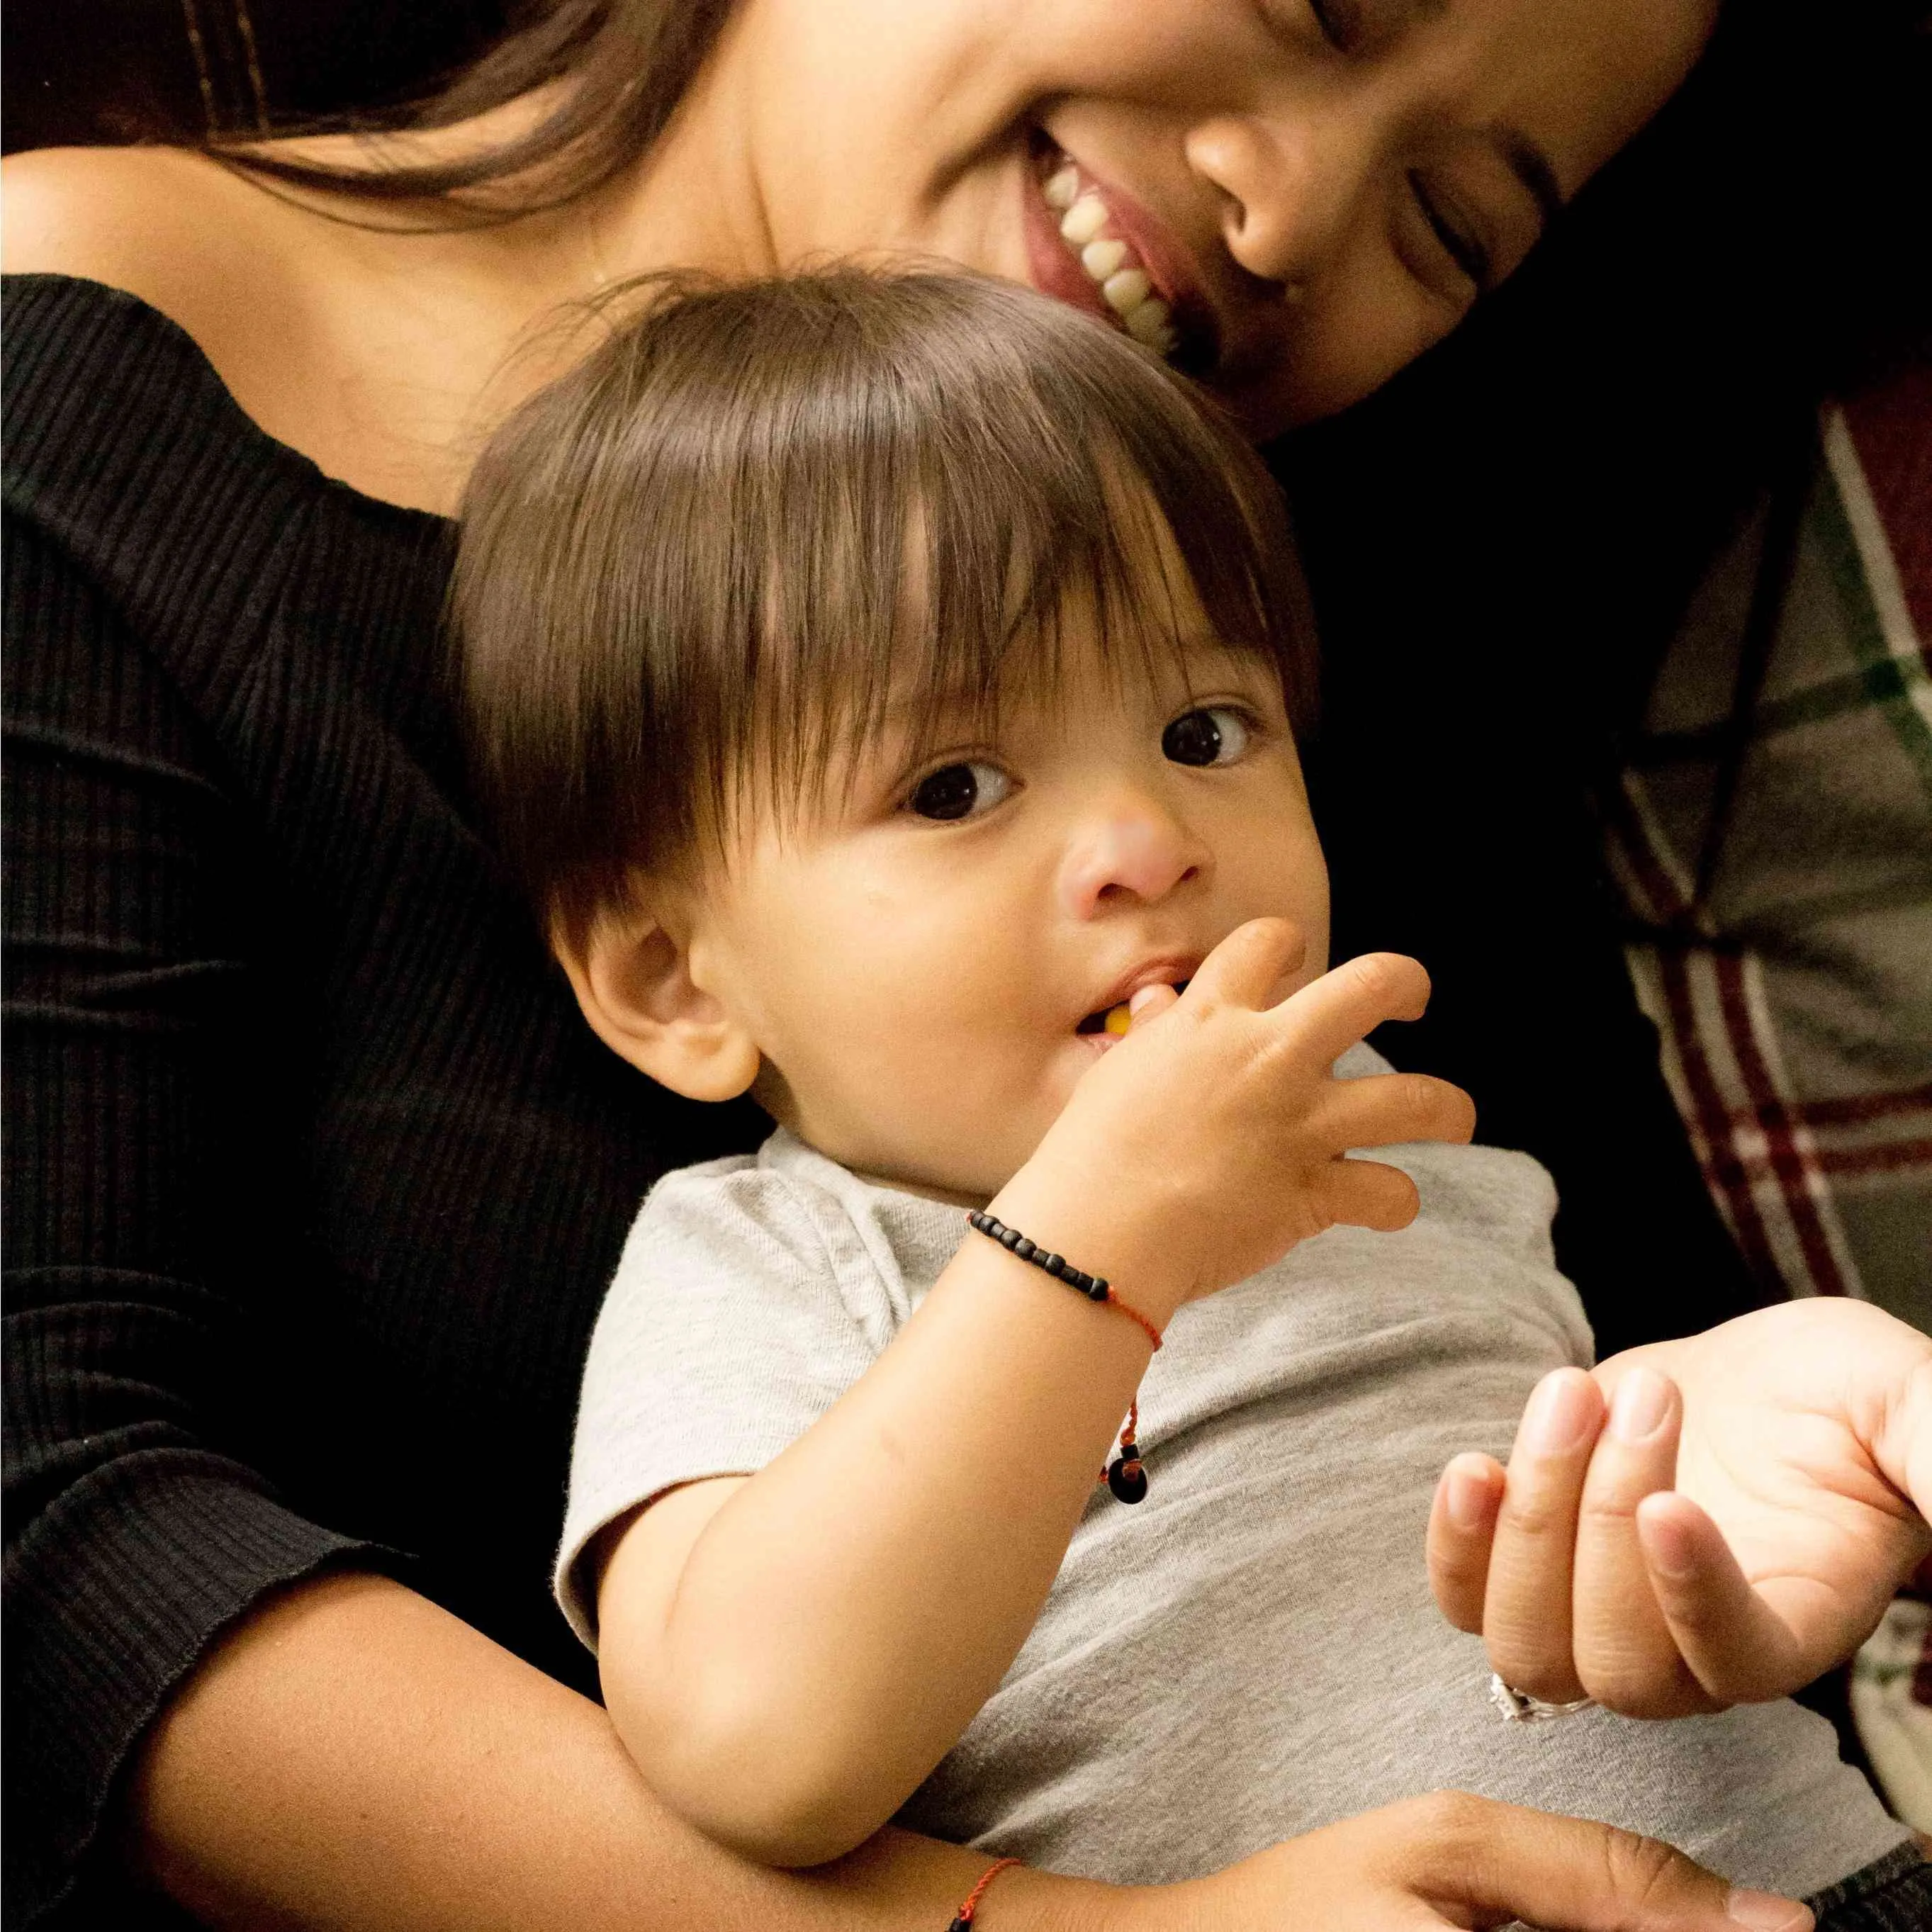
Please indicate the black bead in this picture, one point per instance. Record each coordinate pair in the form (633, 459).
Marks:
(960, 1925)
(1054, 1264)
(1010, 1237)
(1096, 1288)
(1126, 1479)
(1025, 1249)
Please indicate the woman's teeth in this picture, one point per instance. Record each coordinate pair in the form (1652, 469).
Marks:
(1124, 283)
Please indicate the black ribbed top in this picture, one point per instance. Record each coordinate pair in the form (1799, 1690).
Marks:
(314, 1178)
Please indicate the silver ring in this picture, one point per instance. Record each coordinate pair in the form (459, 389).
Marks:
(1518, 1707)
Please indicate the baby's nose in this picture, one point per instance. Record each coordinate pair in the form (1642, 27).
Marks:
(1138, 853)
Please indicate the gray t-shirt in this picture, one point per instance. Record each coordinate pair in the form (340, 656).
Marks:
(1252, 1652)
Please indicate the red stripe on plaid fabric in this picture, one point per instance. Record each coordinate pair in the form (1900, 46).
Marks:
(1892, 1157)
(1849, 1109)
(1724, 1167)
(1892, 430)
(1786, 1159)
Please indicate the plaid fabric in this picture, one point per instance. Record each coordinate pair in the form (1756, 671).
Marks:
(1771, 837)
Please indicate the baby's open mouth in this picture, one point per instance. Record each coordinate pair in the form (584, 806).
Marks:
(1116, 1018)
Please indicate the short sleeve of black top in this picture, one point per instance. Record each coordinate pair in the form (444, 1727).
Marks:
(314, 1179)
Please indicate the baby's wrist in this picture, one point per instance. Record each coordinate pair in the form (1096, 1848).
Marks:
(1127, 1243)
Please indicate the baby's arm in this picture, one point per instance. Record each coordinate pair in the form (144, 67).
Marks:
(788, 1656)
(1706, 1522)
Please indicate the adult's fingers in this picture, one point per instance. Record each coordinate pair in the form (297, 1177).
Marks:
(1247, 966)
(1735, 1645)
(1327, 1017)
(1462, 1525)
(1626, 1656)
(1498, 1862)
(1526, 1606)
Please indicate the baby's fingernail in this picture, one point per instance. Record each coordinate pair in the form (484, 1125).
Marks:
(1638, 1408)
(1559, 1413)
(1765, 1912)
(1145, 997)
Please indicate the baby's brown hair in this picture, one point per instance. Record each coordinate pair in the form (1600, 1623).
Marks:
(705, 560)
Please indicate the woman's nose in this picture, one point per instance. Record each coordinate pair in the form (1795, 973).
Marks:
(1135, 851)
(1295, 186)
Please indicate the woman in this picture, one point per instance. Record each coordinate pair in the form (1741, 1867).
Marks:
(315, 1186)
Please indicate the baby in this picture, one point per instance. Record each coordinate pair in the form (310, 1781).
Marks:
(887, 689)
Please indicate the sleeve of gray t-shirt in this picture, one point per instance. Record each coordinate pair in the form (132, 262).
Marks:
(741, 1311)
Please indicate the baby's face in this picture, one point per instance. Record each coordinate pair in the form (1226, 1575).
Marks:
(924, 965)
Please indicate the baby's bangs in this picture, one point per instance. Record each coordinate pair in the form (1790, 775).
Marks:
(762, 520)
(948, 563)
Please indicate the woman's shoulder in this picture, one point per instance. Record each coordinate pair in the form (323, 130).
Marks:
(181, 233)
(343, 337)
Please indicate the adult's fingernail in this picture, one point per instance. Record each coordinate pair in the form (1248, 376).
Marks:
(1667, 1542)
(1559, 1413)
(1639, 1406)
(1765, 1912)
(1467, 1499)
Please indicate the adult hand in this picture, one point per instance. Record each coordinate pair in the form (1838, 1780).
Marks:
(1699, 1523)
(1452, 1860)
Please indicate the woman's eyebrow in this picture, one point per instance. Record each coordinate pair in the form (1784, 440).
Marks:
(1530, 166)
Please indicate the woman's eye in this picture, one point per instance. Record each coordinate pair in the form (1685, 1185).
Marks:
(1463, 246)
(959, 791)
(1216, 736)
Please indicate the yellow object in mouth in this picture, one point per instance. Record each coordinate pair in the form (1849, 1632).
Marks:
(1118, 1019)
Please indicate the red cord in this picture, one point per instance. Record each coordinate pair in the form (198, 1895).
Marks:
(965, 1914)
(1133, 1314)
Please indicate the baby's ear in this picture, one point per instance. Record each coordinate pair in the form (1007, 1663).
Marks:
(630, 972)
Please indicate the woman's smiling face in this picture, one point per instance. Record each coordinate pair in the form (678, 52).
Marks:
(1293, 198)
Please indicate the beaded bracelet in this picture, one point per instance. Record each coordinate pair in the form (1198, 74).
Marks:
(1124, 1476)
(962, 1919)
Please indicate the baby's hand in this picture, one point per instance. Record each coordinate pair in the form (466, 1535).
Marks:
(1214, 1136)
(1735, 1530)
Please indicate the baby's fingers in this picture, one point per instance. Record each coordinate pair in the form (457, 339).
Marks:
(1387, 1109)
(1330, 1015)
(1247, 966)
(1740, 1650)
(1462, 1525)
(1365, 1194)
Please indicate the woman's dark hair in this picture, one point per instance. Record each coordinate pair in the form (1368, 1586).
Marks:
(703, 565)
(617, 69)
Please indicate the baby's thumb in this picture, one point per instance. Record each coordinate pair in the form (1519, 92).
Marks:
(1150, 1002)
(1572, 1875)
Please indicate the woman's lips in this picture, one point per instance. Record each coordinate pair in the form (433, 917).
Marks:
(1091, 246)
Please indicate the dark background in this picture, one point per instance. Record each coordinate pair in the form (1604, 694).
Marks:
(75, 71)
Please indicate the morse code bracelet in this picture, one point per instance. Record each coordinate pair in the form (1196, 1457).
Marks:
(1124, 1476)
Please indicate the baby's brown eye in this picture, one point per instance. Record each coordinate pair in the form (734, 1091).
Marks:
(1217, 736)
(959, 791)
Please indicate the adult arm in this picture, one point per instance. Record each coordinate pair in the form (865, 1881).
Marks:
(353, 1757)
